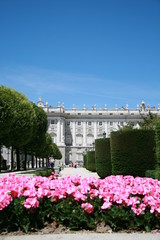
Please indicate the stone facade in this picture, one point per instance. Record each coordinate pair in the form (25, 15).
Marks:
(75, 130)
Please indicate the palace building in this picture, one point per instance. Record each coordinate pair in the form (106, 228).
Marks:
(75, 130)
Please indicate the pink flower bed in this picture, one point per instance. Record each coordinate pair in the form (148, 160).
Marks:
(137, 193)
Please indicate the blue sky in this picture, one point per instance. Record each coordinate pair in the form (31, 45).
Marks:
(82, 51)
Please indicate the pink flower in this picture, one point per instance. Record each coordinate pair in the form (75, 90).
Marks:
(31, 202)
(106, 205)
(79, 196)
(87, 207)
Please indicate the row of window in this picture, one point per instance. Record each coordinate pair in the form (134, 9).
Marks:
(100, 114)
(89, 123)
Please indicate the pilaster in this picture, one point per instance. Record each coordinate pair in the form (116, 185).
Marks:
(58, 132)
(74, 134)
(95, 130)
(84, 134)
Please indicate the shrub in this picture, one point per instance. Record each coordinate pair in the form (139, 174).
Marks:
(44, 173)
(153, 173)
(132, 152)
(157, 133)
(156, 173)
(85, 161)
(122, 202)
(91, 166)
(103, 157)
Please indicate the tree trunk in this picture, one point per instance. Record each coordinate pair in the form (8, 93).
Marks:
(39, 162)
(43, 162)
(36, 161)
(32, 161)
(18, 159)
(25, 159)
(12, 159)
(46, 162)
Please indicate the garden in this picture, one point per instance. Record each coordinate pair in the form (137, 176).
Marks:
(122, 202)
(126, 197)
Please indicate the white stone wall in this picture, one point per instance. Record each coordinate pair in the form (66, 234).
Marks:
(75, 130)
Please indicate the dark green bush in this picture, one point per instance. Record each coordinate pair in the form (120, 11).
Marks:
(69, 213)
(133, 152)
(153, 173)
(157, 133)
(43, 173)
(103, 157)
(85, 161)
(91, 166)
(156, 172)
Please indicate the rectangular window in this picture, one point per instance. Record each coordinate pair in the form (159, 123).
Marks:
(111, 114)
(100, 123)
(68, 141)
(121, 113)
(52, 121)
(121, 123)
(79, 123)
(111, 123)
(100, 113)
(68, 123)
(89, 113)
(89, 123)
(79, 113)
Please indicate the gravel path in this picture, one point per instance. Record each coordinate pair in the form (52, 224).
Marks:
(77, 171)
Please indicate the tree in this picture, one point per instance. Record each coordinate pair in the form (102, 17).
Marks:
(149, 121)
(46, 150)
(7, 115)
(17, 116)
(40, 129)
(56, 153)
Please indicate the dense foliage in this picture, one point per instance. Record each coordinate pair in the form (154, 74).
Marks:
(156, 172)
(132, 152)
(85, 161)
(91, 165)
(23, 127)
(121, 202)
(103, 157)
(157, 133)
(56, 153)
(149, 121)
(153, 173)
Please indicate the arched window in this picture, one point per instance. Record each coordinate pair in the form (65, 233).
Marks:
(54, 137)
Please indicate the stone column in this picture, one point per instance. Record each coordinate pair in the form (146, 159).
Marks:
(62, 131)
(95, 130)
(74, 133)
(58, 132)
(84, 134)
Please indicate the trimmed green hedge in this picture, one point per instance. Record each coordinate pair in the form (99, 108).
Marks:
(85, 161)
(133, 152)
(153, 174)
(156, 172)
(157, 133)
(91, 166)
(103, 157)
